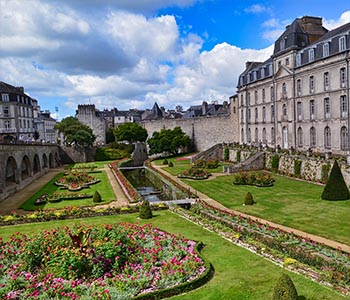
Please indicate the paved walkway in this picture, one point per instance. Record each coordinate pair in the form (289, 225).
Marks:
(216, 204)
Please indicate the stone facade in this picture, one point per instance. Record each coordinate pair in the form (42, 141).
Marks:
(299, 98)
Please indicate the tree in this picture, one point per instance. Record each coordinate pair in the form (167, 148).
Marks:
(335, 188)
(285, 289)
(145, 211)
(75, 133)
(168, 140)
(110, 138)
(131, 132)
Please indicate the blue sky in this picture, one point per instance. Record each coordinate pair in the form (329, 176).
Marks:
(131, 53)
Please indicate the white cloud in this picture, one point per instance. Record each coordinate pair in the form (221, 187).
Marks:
(257, 9)
(343, 19)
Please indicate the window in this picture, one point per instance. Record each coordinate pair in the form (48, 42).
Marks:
(271, 92)
(325, 49)
(342, 77)
(248, 99)
(326, 81)
(256, 96)
(270, 69)
(241, 80)
(6, 111)
(5, 97)
(298, 60)
(264, 114)
(343, 106)
(342, 43)
(312, 84)
(256, 114)
(299, 87)
(262, 72)
(312, 109)
(272, 113)
(343, 138)
(311, 55)
(272, 134)
(327, 138)
(263, 96)
(242, 115)
(300, 137)
(312, 137)
(256, 136)
(327, 108)
(249, 115)
(264, 140)
(279, 63)
(299, 111)
(249, 136)
(7, 124)
(287, 61)
(242, 100)
(254, 75)
(284, 111)
(284, 90)
(282, 44)
(242, 135)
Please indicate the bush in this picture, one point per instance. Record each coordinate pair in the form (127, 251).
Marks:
(212, 164)
(227, 153)
(165, 162)
(335, 188)
(325, 172)
(238, 156)
(275, 163)
(249, 200)
(297, 168)
(200, 163)
(285, 289)
(145, 211)
(97, 197)
(170, 164)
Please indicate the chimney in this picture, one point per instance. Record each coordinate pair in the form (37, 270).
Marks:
(248, 64)
(313, 26)
(20, 88)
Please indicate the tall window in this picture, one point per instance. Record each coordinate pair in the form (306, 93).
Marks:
(6, 111)
(270, 69)
(343, 106)
(312, 84)
(248, 99)
(264, 114)
(342, 77)
(299, 111)
(312, 109)
(298, 60)
(242, 116)
(300, 137)
(256, 136)
(254, 75)
(327, 138)
(5, 97)
(325, 49)
(263, 96)
(272, 113)
(264, 140)
(249, 136)
(271, 93)
(343, 138)
(272, 135)
(327, 108)
(282, 44)
(262, 72)
(284, 90)
(7, 124)
(249, 115)
(242, 103)
(284, 110)
(342, 43)
(311, 54)
(256, 114)
(312, 137)
(299, 87)
(256, 96)
(326, 81)
(242, 135)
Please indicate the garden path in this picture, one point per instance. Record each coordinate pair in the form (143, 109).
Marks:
(212, 202)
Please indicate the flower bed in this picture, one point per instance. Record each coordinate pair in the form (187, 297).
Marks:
(328, 265)
(59, 196)
(260, 179)
(76, 180)
(117, 261)
(194, 173)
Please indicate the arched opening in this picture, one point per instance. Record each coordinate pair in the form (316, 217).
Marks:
(285, 137)
(11, 167)
(36, 164)
(25, 168)
(344, 138)
(45, 162)
(51, 161)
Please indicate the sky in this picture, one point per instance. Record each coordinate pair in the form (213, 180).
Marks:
(128, 54)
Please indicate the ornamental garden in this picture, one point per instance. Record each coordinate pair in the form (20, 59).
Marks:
(207, 252)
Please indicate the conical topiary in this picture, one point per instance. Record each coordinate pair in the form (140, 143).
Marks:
(285, 289)
(97, 197)
(249, 200)
(145, 211)
(335, 188)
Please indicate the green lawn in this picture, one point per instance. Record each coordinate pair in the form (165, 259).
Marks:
(289, 202)
(239, 274)
(103, 187)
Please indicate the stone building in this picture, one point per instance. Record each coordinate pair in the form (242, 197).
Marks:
(299, 97)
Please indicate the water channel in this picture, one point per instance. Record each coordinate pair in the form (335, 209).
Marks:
(143, 185)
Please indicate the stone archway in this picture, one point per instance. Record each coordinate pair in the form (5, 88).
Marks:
(51, 161)
(11, 171)
(45, 161)
(25, 168)
(36, 164)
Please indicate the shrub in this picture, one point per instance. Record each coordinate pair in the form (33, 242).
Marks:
(297, 168)
(170, 164)
(275, 163)
(227, 153)
(325, 172)
(212, 164)
(200, 163)
(285, 289)
(260, 179)
(238, 156)
(335, 188)
(97, 197)
(145, 211)
(165, 162)
(249, 200)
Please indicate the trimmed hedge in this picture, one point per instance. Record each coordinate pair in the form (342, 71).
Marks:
(285, 289)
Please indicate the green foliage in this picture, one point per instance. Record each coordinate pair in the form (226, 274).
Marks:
(226, 153)
(168, 140)
(297, 168)
(194, 173)
(97, 197)
(324, 172)
(261, 179)
(131, 132)
(335, 188)
(238, 156)
(275, 163)
(209, 164)
(165, 162)
(108, 153)
(170, 164)
(110, 138)
(75, 133)
(145, 211)
(249, 200)
(285, 289)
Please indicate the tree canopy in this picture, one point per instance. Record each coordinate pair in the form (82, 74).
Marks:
(168, 140)
(131, 132)
(75, 133)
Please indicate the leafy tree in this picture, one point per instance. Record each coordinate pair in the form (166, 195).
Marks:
(249, 200)
(335, 188)
(131, 132)
(97, 197)
(110, 138)
(168, 140)
(285, 289)
(75, 133)
(145, 211)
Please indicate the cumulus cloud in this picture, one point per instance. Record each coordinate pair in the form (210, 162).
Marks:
(331, 24)
(257, 9)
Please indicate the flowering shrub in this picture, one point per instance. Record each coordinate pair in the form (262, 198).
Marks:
(260, 179)
(76, 180)
(59, 196)
(106, 262)
(194, 173)
(209, 164)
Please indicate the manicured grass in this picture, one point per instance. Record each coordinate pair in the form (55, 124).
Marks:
(103, 187)
(239, 274)
(289, 202)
